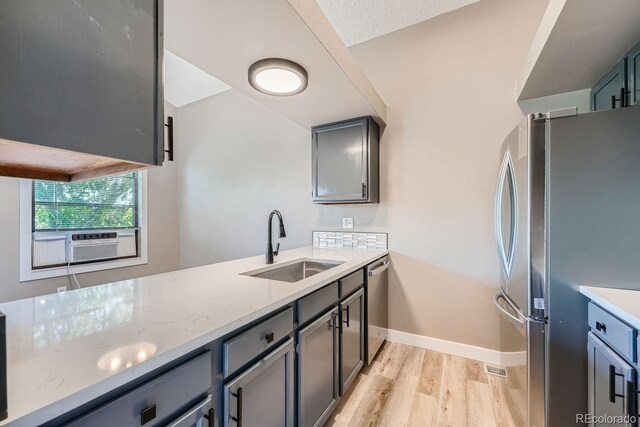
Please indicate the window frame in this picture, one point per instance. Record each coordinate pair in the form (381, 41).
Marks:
(28, 273)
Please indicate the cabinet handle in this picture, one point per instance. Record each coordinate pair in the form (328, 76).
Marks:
(632, 405)
(622, 99)
(601, 327)
(334, 324)
(269, 337)
(612, 384)
(347, 310)
(238, 417)
(210, 416)
(148, 414)
(169, 126)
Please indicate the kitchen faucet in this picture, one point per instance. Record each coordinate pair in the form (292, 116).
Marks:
(270, 252)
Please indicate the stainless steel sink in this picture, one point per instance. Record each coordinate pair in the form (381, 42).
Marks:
(294, 271)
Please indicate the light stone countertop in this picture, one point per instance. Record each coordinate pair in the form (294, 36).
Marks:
(67, 349)
(624, 303)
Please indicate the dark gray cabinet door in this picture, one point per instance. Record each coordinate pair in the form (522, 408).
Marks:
(351, 339)
(609, 376)
(262, 395)
(318, 379)
(609, 86)
(341, 166)
(345, 162)
(633, 75)
(83, 75)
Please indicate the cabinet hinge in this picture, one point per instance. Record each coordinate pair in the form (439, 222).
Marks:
(297, 348)
(364, 189)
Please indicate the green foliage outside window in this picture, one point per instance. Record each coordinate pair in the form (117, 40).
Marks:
(109, 202)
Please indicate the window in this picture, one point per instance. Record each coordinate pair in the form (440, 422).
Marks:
(82, 226)
(95, 204)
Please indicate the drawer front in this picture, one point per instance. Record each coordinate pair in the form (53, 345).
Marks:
(351, 283)
(240, 349)
(317, 302)
(613, 330)
(158, 401)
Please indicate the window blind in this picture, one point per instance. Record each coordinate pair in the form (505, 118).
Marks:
(101, 203)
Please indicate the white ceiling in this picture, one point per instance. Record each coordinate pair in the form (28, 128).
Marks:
(359, 20)
(224, 38)
(576, 43)
(185, 83)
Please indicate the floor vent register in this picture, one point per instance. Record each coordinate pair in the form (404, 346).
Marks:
(498, 371)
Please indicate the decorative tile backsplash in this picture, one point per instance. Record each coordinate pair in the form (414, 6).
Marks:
(339, 239)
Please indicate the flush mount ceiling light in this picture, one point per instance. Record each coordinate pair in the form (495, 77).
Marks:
(277, 76)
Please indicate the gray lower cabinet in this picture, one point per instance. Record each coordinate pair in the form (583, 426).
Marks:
(197, 416)
(351, 339)
(611, 383)
(318, 374)
(247, 345)
(180, 398)
(262, 395)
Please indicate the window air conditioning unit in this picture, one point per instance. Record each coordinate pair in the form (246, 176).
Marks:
(84, 247)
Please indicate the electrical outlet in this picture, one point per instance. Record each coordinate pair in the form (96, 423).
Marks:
(347, 222)
(62, 289)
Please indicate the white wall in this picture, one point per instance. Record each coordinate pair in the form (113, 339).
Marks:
(238, 160)
(449, 85)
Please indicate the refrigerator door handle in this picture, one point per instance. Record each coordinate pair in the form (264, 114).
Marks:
(506, 250)
(513, 319)
(498, 220)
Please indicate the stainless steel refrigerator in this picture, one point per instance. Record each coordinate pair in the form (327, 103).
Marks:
(567, 213)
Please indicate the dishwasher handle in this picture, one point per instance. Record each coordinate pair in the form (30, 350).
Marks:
(376, 271)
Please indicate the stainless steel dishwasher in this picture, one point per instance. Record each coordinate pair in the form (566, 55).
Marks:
(377, 306)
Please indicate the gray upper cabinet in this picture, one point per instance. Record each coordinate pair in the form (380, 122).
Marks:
(633, 77)
(80, 87)
(619, 87)
(345, 162)
(609, 86)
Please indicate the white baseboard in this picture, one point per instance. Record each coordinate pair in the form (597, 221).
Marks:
(457, 349)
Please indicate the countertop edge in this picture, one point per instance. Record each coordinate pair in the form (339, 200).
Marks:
(591, 292)
(93, 391)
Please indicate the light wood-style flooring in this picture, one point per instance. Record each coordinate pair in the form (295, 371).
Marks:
(410, 386)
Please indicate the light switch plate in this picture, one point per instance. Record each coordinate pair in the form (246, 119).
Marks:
(347, 222)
